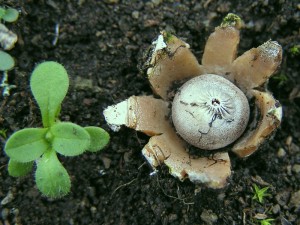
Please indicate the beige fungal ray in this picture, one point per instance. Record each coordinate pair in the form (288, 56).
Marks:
(254, 67)
(171, 60)
(270, 117)
(149, 115)
(169, 149)
(142, 113)
(221, 47)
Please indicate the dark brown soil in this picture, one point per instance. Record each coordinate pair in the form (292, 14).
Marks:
(101, 44)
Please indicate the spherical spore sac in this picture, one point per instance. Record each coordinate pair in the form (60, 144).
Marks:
(210, 112)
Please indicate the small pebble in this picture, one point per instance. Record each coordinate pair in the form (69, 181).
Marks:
(295, 201)
(257, 179)
(296, 168)
(276, 209)
(91, 192)
(80, 2)
(173, 217)
(283, 197)
(106, 162)
(135, 14)
(112, 1)
(260, 216)
(281, 153)
(88, 101)
(15, 211)
(93, 209)
(4, 213)
(289, 141)
(221, 197)
(284, 221)
(209, 217)
(156, 2)
(83, 83)
(71, 221)
(88, 116)
(8, 198)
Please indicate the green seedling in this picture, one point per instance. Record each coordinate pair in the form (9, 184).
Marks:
(281, 78)
(3, 133)
(7, 42)
(8, 15)
(6, 61)
(266, 221)
(295, 50)
(260, 194)
(232, 20)
(7, 37)
(49, 84)
(6, 64)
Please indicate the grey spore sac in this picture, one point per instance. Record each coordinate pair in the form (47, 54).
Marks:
(210, 112)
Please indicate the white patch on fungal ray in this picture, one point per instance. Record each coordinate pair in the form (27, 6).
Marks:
(159, 43)
(270, 49)
(276, 111)
(116, 115)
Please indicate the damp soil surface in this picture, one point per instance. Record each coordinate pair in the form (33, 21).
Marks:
(101, 44)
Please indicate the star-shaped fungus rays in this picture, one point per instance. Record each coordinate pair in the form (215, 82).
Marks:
(172, 64)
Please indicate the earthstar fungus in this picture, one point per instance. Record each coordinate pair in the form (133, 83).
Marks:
(203, 113)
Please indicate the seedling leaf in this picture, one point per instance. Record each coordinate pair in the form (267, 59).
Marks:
(17, 169)
(2, 12)
(10, 15)
(260, 194)
(3, 133)
(27, 145)
(51, 177)
(99, 138)
(69, 139)
(49, 84)
(6, 61)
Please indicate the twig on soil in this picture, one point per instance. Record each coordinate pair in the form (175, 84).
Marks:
(155, 172)
(142, 165)
(121, 186)
(177, 198)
